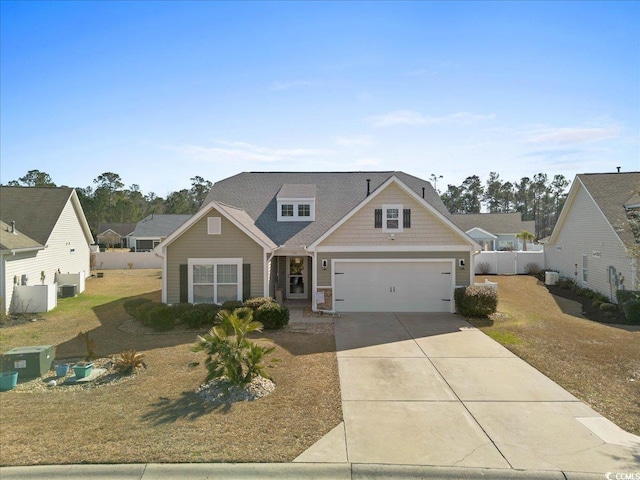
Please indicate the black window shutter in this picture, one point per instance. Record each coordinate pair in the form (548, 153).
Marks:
(406, 218)
(184, 284)
(246, 281)
(378, 218)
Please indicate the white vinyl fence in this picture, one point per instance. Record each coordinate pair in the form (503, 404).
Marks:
(119, 260)
(508, 263)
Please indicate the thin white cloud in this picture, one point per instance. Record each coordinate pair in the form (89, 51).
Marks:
(280, 86)
(568, 136)
(413, 118)
(247, 152)
(355, 140)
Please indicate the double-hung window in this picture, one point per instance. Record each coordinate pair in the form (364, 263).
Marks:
(392, 218)
(214, 280)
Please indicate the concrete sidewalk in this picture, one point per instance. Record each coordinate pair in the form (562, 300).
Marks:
(430, 389)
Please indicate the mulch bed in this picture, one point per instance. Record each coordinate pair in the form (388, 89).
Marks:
(588, 310)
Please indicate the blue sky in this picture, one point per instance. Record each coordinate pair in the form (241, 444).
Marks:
(159, 92)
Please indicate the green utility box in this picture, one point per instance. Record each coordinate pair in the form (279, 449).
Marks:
(29, 362)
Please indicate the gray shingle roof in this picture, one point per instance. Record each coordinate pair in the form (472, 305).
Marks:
(337, 193)
(611, 191)
(158, 226)
(122, 229)
(34, 209)
(289, 190)
(16, 241)
(495, 223)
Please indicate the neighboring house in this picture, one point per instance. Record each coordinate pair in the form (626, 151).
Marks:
(593, 239)
(350, 241)
(112, 234)
(494, 231)
(151, 230)
(42, 230)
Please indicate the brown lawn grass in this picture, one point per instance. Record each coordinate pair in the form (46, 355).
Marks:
(156, 416)
(598, 363)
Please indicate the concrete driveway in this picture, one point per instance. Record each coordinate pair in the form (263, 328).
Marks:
(430, 389)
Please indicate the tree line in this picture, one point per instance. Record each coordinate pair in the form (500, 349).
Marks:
(108, 201)
(539, 198)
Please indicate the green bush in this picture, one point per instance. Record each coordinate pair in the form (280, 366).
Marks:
(565, 283)
(155, 315)
(631, 310)
(272, 315)
(256, 302)
(608, 308)
(199, 315)
(624, 295)
(243, 312)
(476, 301)
(231, 305)
(180, 310)
(130, 306)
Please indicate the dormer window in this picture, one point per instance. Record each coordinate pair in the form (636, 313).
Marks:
(286, 210)
(296, 203)
(304, 210)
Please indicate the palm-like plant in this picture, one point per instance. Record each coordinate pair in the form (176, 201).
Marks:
(525, 236)
(229, 353)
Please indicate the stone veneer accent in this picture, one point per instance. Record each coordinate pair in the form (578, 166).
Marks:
(328, 299)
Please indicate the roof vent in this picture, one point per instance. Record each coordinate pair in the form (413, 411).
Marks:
(618, 169)
(423, 189)
(368, 187)
(13, 226)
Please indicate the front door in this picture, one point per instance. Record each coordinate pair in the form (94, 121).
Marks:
(297, 275)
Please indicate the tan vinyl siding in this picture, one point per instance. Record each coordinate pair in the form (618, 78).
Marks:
(324, 276)
(585, 231)
(197, 243)
(426, 228)
(67, 235)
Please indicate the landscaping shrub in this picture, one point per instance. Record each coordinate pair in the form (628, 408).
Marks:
(257, 302)
(483, 268)
(229, 353)
(130, 306)
(155, 315)
(129, 361)
(272, 315)
(196, 316)
(631, 310)
(180, 310)
(608, 308)
(532, 268)
(476, 301)
(243, 312)
(624, 295)
(231, 305)
(565, 283)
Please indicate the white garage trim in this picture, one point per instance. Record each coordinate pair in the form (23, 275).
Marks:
(442, 299)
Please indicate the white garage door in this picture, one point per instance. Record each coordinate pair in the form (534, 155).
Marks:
(393, 286)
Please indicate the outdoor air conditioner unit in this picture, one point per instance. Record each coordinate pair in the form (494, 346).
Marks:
(68, 291)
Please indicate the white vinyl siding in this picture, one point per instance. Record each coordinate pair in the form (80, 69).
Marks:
(67, 250)
(584, 231)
